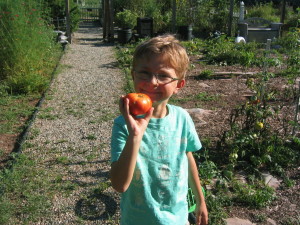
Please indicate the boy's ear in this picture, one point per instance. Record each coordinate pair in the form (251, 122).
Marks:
(180, 84)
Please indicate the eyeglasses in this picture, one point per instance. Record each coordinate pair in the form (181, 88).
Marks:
(147, 77)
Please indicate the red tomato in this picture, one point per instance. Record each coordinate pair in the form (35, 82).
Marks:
(139, 103)
(255, 102)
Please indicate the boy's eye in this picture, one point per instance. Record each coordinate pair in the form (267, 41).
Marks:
(162, 77)
(143, 75)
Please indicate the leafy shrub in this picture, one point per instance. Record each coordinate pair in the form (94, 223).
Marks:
(210, 16)
(224, 51)
(264, 10)
(126, 19)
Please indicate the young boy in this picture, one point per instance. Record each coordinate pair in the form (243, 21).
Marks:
(152, 161)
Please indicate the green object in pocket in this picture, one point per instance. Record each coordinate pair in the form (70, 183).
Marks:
(191, 200)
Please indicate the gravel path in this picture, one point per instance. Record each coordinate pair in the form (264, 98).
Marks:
(71, 134)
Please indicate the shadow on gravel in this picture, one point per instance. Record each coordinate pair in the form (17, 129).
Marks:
(89, 40)
(96, 207)
(111, 65)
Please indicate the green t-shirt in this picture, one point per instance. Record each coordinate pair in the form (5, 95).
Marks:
(158, 190)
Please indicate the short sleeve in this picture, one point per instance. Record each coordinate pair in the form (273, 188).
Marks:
(194, 143)
(118, 138)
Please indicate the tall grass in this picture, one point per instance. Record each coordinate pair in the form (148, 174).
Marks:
(27, 49)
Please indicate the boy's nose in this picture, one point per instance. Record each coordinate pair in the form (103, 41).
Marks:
(154, 80)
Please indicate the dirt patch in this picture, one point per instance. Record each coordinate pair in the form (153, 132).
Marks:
(7, 142)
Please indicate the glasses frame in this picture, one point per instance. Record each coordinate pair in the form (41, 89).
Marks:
(155, 75)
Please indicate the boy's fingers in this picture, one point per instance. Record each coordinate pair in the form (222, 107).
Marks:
(149, 114)
(121, 103)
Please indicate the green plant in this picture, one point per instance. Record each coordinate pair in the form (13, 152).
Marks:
(205, 74)
(224, 51)
(216, 210)
(264, 10)
(91, 137)
(126, 19)
(62, 160)
(250, 142)
(194, 46)
(254, 197)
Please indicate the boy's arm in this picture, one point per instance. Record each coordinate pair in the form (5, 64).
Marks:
(121, 172)
(194, 183)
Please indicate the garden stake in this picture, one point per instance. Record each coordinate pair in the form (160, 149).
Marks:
(296, 125)
(265, 70)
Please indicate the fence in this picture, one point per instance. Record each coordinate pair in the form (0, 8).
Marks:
(89, 14)
(59, 24)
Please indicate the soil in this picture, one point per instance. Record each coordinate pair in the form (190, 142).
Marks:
(227, 91)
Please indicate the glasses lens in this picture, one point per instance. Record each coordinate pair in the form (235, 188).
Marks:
(162, 78)
(143, 76)
(146, 76)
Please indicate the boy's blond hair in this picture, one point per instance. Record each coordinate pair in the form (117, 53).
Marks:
(169, 47)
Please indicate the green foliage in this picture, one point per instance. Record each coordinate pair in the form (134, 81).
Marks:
(209, 16)
(126, 19)
(195, 46)
(124, 57)
(264, 10)
(28, 51)
(250, 142)
(224, 51)
(56, 11)
(293, 19)
(14, 109)
(252, 196)
(205, 74)
(127, 13)
(216, 209)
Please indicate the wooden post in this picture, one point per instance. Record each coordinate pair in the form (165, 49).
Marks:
(104, 19)
(111, 22)
(174, 16)
(282, 17)
(108, 22)
(230, 18)
(68, 26)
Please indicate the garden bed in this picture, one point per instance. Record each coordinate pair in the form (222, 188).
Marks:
(220, 94)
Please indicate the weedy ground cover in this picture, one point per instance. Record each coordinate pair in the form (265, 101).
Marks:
(28, 56)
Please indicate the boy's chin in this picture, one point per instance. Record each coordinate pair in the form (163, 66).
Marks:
(156, 102)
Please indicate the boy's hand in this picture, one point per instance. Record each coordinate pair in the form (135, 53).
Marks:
(136, 126)
(201, 214)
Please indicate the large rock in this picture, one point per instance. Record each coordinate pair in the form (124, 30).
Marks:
(270, 180)
(238, 221)
(198, 114)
